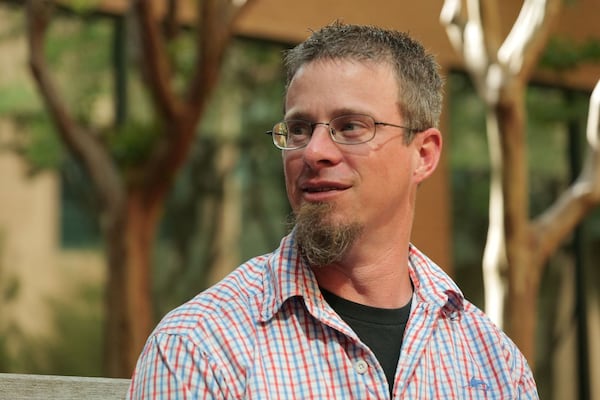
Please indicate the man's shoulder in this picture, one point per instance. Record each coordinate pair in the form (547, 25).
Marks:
(236, 298)
(486, 333)
(438, 288)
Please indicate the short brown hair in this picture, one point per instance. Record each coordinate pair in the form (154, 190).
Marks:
(417, 72)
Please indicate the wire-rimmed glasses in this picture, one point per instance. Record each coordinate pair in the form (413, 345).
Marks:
(345, 129)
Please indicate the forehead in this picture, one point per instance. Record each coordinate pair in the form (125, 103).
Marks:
(323, 64)
(341, 86)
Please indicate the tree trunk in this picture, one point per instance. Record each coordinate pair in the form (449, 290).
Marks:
(129, 320)
(495, 263)
(132, 203)
(521, 308)
(523, 273)
(500, 70)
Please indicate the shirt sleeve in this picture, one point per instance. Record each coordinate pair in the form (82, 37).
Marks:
(527, 389)
(526, 386)
(172, 368)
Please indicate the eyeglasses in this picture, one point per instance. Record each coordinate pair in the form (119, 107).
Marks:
(345, 129)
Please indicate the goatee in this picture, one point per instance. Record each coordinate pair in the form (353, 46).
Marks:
(321, 240)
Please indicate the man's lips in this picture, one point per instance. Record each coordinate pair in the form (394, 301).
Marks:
(318, 187)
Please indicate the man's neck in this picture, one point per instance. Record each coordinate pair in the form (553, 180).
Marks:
(383, 283)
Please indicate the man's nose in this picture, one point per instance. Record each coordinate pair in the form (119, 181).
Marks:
(321, 149)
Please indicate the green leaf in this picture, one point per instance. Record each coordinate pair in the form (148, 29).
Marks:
(562, 53)
(132, 143)
(18, 98)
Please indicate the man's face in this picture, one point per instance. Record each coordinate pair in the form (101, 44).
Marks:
(371, 185)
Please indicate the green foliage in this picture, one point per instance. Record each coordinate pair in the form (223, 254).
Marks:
(78, 57)
(548, 112)
(83, 6)
(250, 93)
(548, 106)
(18, 98)
(467, 125)
(75, 350)
(35, 142)
(131, 143)
(182, 51)
(82, 43)
(78, 53)
(562, 54)
(43, 151)
(78, 350)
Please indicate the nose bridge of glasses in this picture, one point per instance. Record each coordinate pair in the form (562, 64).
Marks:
(316, 139)
(326, 125)
(322, 144)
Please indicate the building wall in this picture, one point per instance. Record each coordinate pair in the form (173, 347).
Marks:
(28, 243)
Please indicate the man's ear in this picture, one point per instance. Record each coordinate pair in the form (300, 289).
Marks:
(429, 147)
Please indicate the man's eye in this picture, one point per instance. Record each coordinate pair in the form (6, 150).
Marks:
(350, 126)
(298, 128)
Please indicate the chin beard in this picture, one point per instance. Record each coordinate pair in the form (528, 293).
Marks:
(321, 240)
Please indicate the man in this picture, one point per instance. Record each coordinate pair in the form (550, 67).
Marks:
(346, 307)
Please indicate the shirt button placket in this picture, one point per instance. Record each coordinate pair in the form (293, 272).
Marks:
(361, 367)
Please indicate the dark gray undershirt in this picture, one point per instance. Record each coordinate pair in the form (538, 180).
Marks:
(381, 329)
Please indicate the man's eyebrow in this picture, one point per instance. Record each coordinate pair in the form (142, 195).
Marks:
(298, 115)
(336, 113)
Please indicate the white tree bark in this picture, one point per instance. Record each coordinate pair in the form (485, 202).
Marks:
(517, 246)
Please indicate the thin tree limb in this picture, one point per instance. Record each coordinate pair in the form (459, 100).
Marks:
(551, 227)
(454, 20)
(475, 37)
(171, 24)
(156, 61)
(486, 13)
(466, 35)
(181, 112)
(81, 143)
(215, 22)
(522, 47)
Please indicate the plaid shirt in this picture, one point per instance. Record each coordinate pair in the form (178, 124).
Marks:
(265, 332)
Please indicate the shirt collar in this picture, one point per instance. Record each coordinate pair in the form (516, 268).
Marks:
(432, 285)
(288, 275)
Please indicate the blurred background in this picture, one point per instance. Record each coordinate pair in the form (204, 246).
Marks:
(226, 202)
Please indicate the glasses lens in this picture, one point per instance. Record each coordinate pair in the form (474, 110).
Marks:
(280, 135)
(352, 129)
(291, 134)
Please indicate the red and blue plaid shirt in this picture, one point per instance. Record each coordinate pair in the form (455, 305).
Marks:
(265, 332)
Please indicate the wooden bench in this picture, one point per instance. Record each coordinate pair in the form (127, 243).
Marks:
(49, 387)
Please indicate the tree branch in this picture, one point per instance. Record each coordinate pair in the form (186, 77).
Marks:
(181, 112)
(215, 23)
(487, 15)
(82, 144)
(156, 61)
(455, 22)
(476, 38)
(171, 24)
(551, 227)
(522, 47)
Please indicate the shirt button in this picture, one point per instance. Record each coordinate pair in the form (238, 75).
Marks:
(361, 367)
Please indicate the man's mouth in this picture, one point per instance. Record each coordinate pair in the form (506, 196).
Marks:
(320, 189)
